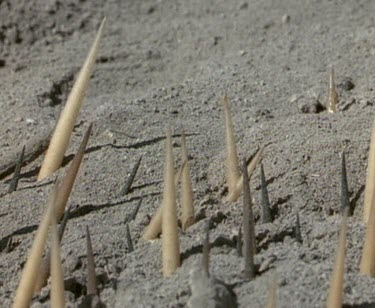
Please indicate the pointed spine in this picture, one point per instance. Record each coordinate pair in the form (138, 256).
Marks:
(45, 267)
(187, 215)
(239, 241)
(297, 229)
(57, 276)
(272, 295)
(170, 240)
(265, 201)
(153, 229)
(370, 181)
(64, 127)
(248, 227)
(206, 250)
(129, 239)
(337, 279)
(250, 169)
(233, 173)
(135, 212)
(367, 265)
(66, 185)
(91, 276)
(131, 178)
(25, 290)
(345, 203)
(332, 95)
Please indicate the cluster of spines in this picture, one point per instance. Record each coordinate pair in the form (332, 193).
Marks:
(165, 219)
(367, 264)
(31, 281)
(234, 179)
(36, 271)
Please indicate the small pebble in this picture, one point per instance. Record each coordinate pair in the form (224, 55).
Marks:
(347, 84)
(309, 105)
(285, 19)
(244, 6)
(266, 264)
(207, 292)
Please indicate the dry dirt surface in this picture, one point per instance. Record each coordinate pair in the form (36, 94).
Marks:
(170, 62)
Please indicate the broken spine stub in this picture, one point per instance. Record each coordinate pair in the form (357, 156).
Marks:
(233, 173)
(332, 94)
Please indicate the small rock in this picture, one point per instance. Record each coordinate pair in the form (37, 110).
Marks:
(347, 84)
(91, 301)
(285, 19)
(309, 105)
(294, 98)
(263, 113)
(266, 264)
(150, 10)
(2, 62)
(208, 292)
(244, 6)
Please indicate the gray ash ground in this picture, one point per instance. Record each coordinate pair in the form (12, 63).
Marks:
(170, 62)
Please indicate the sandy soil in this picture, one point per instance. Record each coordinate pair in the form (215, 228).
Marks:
(170, 62)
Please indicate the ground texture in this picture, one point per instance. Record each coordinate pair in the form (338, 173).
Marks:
(171, 62)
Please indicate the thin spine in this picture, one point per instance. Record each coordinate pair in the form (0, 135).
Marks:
(206, 249)
(332, 94)
(272, 295)
(57, 276)
(64, 127)
(187, 205)
(129, 240)
(91, 276)
(233, 173)
(239, 241)
(370, 180)
(250, 169)
(248, 227)
(130, 180)
(297, 229)
(154, 228)
(135, 212)
(17, 171)
(64, 221)
(66, 185)
(367, 265)
(25, 290)
(170, 239)
(345, 203)
(265, 201)
(335, 295)
(45, 266)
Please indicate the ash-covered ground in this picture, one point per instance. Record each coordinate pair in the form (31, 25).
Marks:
(170, 62)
